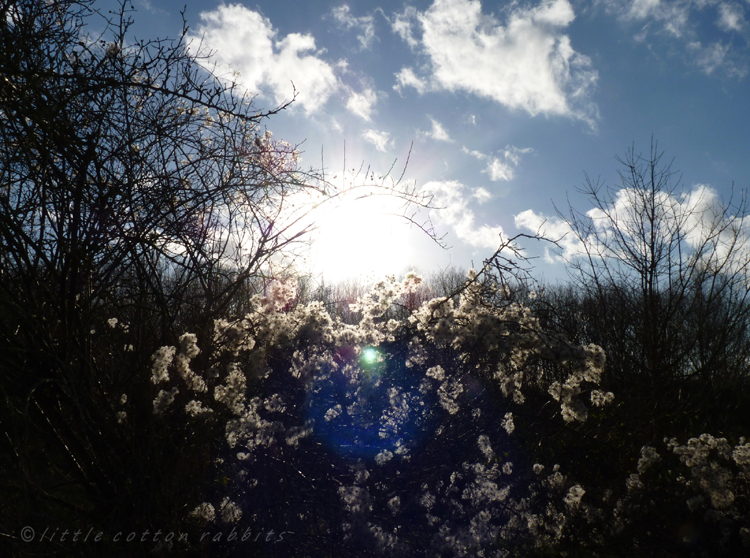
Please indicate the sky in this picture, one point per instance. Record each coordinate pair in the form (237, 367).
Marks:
(501, 108)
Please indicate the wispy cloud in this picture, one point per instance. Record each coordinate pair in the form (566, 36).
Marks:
(502, 167)
(709, 57)
(641, 9)
(453, 197)
(365, 25)
(148, 5)
(437, 132)
(362, 104)
(526, 64)
(246, 42)
(404, 23)
(381, 140)
(407, 78)
(482, 195)
(684, 21)
(731, 17)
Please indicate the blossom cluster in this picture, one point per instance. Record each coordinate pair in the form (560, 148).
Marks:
(273, 156)
(718, 480)
(709, 480)
(428, 396)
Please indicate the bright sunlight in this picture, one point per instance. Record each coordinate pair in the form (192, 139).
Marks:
(361, 237)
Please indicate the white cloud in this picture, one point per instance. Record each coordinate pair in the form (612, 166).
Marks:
(455, 212)
(503, 167)
(684, 21)
(437, 132)
(499, 170)
(149, 7)
(474, 153)
(407, 78)
(365, 25)
(641, 9)
(710, 57)
(513, 153)
(481, 195)
(697, 215)
(381, 140)
(246, 42)
(731, 17)
(674, 16)
(527, 64)
(403, 23)
(362, 104)
(552, 228)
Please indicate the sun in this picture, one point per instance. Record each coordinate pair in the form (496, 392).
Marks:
(360, 237)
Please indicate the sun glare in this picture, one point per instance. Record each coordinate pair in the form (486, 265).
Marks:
(360, 238)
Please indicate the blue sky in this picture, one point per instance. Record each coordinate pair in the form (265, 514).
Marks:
(505, 105)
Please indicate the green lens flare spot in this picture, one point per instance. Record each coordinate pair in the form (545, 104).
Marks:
(369, 356)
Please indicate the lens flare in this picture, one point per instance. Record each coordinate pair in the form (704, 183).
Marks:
(366, 406)
(369, 356)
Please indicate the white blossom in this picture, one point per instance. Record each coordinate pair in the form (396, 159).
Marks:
(204, 512)
(436, 372)
(508, 423)
(485, 447)
(332, 413)
(448, 392)
(383, 457)
(189, 350)
(297, 433)
(600, 398)
(427, 500)
(575, 493)
(633, 482)
(394, 504)
(648, 458)
(232, 393)
(195, 409)
(229, 511)
(164, 399)
(162, 359)
(741, 454)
